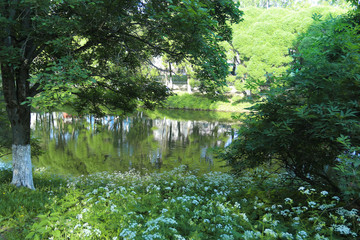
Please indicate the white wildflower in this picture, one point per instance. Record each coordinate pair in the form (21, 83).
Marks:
(275, 223)
(324, 193)
(267, 217)
(270, 232)
(307, 192)
(251, 235)
(97, 232)
(113, 208)
(342, 229)
(196, 202)
(336, 198)
(126, 233)
(243, 215)
(287, 235)
(301, 235)
(86, 232)
(226, 237)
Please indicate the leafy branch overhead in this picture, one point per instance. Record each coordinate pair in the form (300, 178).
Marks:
(75, 44)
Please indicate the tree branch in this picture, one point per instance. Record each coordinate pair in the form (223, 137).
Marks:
(34, 90)
(159, 69)
(6, 154)
(173, 54)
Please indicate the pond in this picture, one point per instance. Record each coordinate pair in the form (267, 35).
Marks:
(145, 141)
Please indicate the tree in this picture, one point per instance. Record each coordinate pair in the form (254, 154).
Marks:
(91, 52)
(298, 125)
(263, 43)
(5, 142)
(288, 3)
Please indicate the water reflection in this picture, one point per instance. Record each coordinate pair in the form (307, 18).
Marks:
(83, 145)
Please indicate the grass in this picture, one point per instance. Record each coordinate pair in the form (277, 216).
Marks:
(174, 205)
(201, 102)
(192, 115)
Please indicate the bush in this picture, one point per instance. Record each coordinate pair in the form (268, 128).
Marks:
(348, 170)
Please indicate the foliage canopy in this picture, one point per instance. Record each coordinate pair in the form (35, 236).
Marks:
(298, 124)
(264, 42)
(96, 49)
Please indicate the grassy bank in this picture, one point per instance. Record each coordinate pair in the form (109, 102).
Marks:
(201, 102)
(192, 115)
(172, 205)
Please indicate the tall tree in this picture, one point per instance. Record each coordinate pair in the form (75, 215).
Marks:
(91, 52)
(263, 43)
(5, 142)
(298, 125)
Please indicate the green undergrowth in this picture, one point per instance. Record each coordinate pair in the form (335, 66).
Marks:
(174, 205)
(201, 102)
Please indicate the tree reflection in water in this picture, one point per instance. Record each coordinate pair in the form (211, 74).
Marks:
(83, 145)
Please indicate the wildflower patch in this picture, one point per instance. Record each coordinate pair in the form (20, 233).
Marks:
(181, 205)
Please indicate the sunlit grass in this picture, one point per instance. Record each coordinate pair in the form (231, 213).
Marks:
(201, 102)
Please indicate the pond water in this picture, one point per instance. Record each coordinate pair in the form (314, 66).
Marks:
(151, 141)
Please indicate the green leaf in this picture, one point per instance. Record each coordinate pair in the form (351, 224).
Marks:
(30, 235)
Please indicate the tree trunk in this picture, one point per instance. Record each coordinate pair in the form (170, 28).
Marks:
(22, 167)
(188, 86)
(21, 150)
(170, 77)
(15, 76)
(16, 90)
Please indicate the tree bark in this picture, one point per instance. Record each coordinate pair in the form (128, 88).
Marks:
(170, 77)
(16, 90)
(188, 86)
(15, 74)
(22, 167)
(19, 117)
